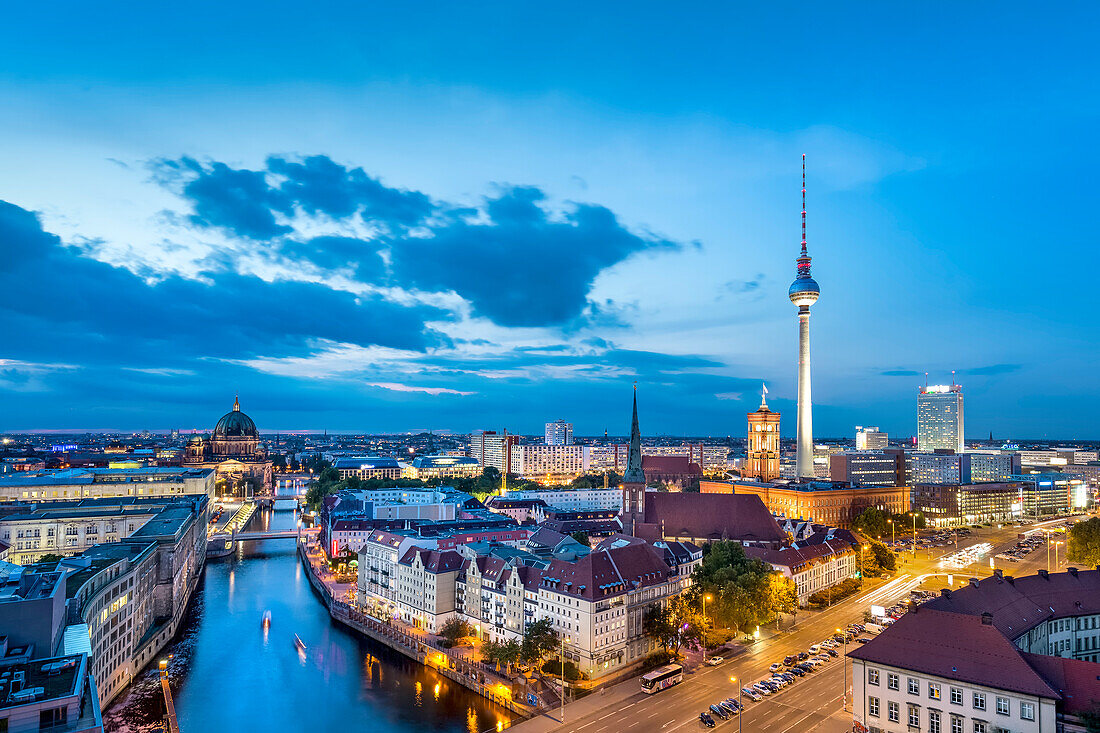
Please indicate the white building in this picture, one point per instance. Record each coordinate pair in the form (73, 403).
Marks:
(572, 499)
(812, 567)
(559, 432)
(938, 468)
(940, 418)
(553, 462)
(492, 449)
(870, 438)
(71, 484)
(425, 585)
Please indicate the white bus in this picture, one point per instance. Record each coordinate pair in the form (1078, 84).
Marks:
(661, 678)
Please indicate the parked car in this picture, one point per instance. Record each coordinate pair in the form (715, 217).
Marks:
(775, 667)
(717, 710)
(863, 639)
(833, 653)
(733, 701)
(751, 694)
(790, 659)
(706, 720)
(803, 656)
(731, 709)
(715, 661)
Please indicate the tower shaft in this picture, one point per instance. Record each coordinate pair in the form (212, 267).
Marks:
(804, 465)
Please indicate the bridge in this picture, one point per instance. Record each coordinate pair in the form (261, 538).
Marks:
(273, 534)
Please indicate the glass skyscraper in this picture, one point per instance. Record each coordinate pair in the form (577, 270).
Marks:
(940, 418)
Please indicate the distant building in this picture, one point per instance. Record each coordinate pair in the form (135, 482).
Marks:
(493, 449)
(870, 438)
(825, 502)
(241, 464)
(368, 467)
(713, 459)
(994, 466)
(947, 504)
(943, 467)
(813, 567)
(675, 472)
(940, 418)
(571, 499)
(431, 467)
(559, 432)
(551, 463)
(762, 448)
(69, 484)
(868, 468)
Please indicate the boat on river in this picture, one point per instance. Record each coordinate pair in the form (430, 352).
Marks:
(266, 622)
(298, 643)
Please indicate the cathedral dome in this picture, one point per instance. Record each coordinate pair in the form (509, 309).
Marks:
(236, 424)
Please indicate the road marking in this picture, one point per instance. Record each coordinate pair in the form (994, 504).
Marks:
(608, 715)
(586, 725)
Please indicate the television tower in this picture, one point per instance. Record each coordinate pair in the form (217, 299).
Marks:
(804, 292)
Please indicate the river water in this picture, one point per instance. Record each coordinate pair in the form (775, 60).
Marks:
(229, 675)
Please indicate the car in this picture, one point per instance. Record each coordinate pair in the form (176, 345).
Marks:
(706, 720)
(833, 653)
(803, 656)
(787, 676)
(734, 702)
(775, 667)
(715, 661)
(730, 708)
(762, 689)
(863, 639)
(751, 694)
(717, 710)
(790, 659)
(838, 638)
(815, 648)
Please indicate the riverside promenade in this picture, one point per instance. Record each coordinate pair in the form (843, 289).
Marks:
(413, 643)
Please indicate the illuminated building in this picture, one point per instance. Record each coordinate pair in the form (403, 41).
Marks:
(940, 418)
(825, 502)
(804, 292)
(241, 465)
(871, 438)
(762, 459)
(949, 504)
(426, 467)
(68, 484)
(938, 468)
(867, 468)
(559, 432)
(493, 449)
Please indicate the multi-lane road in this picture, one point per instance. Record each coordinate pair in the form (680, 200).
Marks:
(814, 703)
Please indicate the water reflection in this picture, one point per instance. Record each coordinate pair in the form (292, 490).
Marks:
(230, 675)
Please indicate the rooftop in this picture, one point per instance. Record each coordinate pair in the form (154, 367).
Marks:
(43, 679)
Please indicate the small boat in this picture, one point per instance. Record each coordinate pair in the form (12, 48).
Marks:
(266, 622)
(299, 643)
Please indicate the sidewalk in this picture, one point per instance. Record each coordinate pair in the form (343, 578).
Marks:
(602, 698)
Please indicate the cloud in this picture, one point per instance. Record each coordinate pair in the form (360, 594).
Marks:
(900, 373)
(516, 260)
(52, 294)
(736, 396)
(992, 370)
(396, 387)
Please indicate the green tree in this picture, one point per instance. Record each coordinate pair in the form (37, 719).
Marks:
(582, 537)
(675, 623)
(454, 629)
(742, 590)
(539, 639)
(50, 557)
(1083, 544)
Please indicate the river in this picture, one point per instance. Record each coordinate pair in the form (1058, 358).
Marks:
(229, 675)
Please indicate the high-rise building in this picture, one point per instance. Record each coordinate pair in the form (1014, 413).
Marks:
(871, 438)
(804, 292)
(559, 432)
(938, 468)
(493, 449)
(940, 418)
(762, 449)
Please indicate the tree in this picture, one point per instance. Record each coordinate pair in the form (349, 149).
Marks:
(582, 537)
(50, 557)
(454, 629)
(879, 560)
(1083, 544)
(539, 640)
(742, 590)
(675, 623)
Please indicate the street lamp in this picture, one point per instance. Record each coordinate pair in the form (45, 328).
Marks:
(740, 706)
(861, 573)
(914, 535)
(844, 667)
(705, 599)
(891, 523)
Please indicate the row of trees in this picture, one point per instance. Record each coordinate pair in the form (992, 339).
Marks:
(1083, 543)
(875, 522)
(538, 641)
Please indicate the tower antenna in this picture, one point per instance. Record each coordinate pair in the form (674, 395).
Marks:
(803, 203)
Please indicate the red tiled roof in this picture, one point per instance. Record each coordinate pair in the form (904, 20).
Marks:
(741, 517)
(954, 646)
(665, 465)
(1077, 681)
(799, 558)
(607, 573)
(434, 561)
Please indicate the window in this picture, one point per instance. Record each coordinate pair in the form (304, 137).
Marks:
(1002, 706)
(891, 680)
(933, 691)
(980, 727)
(893, 712)
(1027, 710)
(872, 676)
(914, 716)
(872, 706)
(979, 701)
(956, 696)
(933, 721)
(956, 724)
(52, 718)
(914, 686)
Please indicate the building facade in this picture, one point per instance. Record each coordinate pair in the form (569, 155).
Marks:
(940, 418)
(762, 447)
(100, 483)
(493, 449)
(867, 468)
(871, 438)
(825, 502)
(241, 464)
(559, 432)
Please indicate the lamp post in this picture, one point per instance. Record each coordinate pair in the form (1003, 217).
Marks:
(861, 573)
(740, 707)
(706, 598)
(562, 679)
(914, 535)
(1056, 544)
(892, 539)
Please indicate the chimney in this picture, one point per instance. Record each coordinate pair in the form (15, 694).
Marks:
(1010, 579)
(1044, 574)
(987, 619)
(998, 573)
(945, 592)
(1072, 571)
(974, 582)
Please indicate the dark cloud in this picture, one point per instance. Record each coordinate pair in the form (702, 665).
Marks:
(56, 301)
(514, 261)
(992, 370)
(520, 267)
(900, 373)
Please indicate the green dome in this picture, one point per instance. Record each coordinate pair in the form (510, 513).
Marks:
(236, 424)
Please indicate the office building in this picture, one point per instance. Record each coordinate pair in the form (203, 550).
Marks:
(949, 504)
(549, 463)
(940, 418)
(559, 432)
(867, 468)
(994, 466)
(870, 438)
(938, 468)
(804, 292)
(825, 502)
(762, 448)
(368, 467)
(71, 484)
(444, 467)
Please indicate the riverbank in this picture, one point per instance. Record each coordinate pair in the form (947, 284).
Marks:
(419, 648)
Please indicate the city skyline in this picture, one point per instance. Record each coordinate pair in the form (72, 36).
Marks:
(397, 234)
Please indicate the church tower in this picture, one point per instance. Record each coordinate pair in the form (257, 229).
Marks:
(634, 478)
(762, 461)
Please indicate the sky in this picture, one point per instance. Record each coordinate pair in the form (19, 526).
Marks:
(400, 216)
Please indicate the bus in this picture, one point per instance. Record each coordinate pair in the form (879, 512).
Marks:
(661, 678)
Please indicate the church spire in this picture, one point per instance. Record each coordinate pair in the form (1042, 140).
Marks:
(634, 474)
(236, 403)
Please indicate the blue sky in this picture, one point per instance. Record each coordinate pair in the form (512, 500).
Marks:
(396, 217)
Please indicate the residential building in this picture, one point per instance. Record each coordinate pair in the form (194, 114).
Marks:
(493, 449)
(100, 483)
(940, 418)
(941, 467)
(571, 499)
(552, 463)
(559, 432)
(812, 567)
(444, 467)
(425, 584)
(713, 459)
(871, 438)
